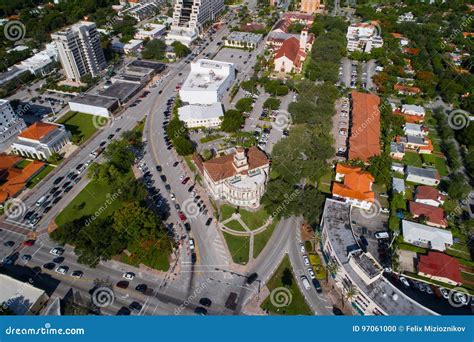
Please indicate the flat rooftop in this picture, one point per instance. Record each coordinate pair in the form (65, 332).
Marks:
(336, 221)
(207, 75)
(95, 100)
(158, 67)
(18, 296)
(121, 90)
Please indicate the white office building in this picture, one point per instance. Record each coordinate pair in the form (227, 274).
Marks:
(189, 16)
(41, 63)
(79, 50)
(363, 37)
(150, 31)
(207, 82)
(10, 123)
(209, 116)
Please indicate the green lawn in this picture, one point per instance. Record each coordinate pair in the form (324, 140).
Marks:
(412, 159)
(438, 162)
(82, 126)
(296, 304)
(235, 225)
(91, 199)
(324, 184)
(153, 258)
(318, 268)
(260, 240)
(226, 212)
(39, 177)
(190, 163)
(238, 247)
(254, 220)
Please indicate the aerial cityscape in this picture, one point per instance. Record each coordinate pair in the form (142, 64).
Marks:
(236, 157)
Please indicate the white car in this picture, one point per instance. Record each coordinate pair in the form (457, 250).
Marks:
(173, 197)
(311, 273)
(302, 249)
(62, 270)
(444, 292)
(191, 244)
(181, 177)
(57, 251)
(305, 282)
(404, 281)
(306, 260)
(128, 275)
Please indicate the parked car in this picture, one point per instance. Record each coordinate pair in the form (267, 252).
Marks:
(305, 282)
(205, 302)
(128, 275)
(251, 278)
(58, 251)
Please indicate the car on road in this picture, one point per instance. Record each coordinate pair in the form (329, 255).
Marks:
(128, 275)
(141, 288)
(28, 243)
(182, 217)
(175, 164)
(317, 285)
(193, 258)
(336, 311)
(251, 278)
(123, 284)
(200, 311)
(110, 136)
(306, 260)
(135, 306)
(305, 282)
(311, 273)
(168, 187)
(302, 249)
(163, 178)
(205, 302)
(49, 265)
(158, 168)
(123, 311)
(77, 274)
(184, 181)
(58, 180)
(173, 197)
(62, 270)
(209, 221)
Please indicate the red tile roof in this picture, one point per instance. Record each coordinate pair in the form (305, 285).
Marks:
(356, 184)
(440, 265)
(429, 192)
(434, 215)
(15, 179)
(365, 131)
(38, 130)
(291, 50)
(406, 89)
(221, 168)
(411, 51)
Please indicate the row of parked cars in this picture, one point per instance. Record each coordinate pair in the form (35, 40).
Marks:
(310, 270)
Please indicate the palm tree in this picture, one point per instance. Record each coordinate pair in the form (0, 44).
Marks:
(351, 292)
(332, 268)
(315, 240)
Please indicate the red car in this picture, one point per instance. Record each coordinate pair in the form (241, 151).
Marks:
(182, 217)
(28, 243)
(184, 181)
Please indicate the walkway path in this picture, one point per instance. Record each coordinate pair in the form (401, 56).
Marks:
(247, 231)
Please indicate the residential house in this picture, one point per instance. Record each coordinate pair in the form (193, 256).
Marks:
(354, 186)
(426, 176)
(440, 267)
(398, 185)
(425, 236)
(397, 150)
(429, 195)
(434, 216)
(397, 167)
(406, 90)
(416, 143)
(415, 130)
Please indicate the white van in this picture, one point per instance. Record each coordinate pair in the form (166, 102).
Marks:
(381, 235)
(305, 282)
(40, 201)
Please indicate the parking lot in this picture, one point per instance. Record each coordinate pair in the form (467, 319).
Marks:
(239, 57)
(340, 128)
(353, 74)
